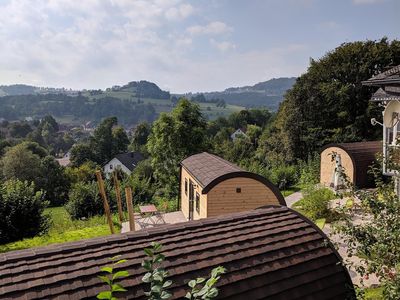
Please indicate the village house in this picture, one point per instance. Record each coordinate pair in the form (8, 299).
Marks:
(240, 132)
(211, 186)
(126, 162)
(388, 96)
(65, 161)
(268, 253)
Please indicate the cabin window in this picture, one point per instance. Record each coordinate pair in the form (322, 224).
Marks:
(111, 166)
(198, 203)
(238, 190)
(186, 186)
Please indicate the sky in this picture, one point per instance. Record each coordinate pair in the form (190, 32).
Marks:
(182, 46)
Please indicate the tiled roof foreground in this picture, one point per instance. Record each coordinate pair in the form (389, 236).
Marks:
(269, 253)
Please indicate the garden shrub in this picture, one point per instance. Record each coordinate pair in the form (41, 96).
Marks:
(309, 171)
(314, 204)
(84, 201)
(21, 211)
(283, 175)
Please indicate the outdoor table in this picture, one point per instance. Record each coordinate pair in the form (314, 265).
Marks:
(148, 212)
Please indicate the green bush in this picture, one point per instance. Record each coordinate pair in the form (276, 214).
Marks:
(314, 204)
(21, 211)
(283, 175)
(84, 201)
(309, 171)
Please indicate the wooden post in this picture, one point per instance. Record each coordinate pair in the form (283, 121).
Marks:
(118, 194)
(105, 202)
(129, 205)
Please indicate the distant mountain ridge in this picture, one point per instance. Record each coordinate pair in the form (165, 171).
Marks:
(263, 94)
(267, 94)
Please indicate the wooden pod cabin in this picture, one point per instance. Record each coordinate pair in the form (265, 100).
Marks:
(268, 253)
(352, 159)
(211, 186)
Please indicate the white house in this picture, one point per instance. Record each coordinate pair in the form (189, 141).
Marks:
(388, 96)
(126, 162)
(237, 133)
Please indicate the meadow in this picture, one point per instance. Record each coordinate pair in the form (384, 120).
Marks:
(64, 229)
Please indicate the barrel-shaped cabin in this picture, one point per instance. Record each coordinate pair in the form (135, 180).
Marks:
(211, 186)
(348, 162)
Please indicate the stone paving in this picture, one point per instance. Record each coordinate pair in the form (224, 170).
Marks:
(159, 220)
(293, 198)
(372, 280)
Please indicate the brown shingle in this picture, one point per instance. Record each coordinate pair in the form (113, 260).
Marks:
(272, 252)
(206, 167)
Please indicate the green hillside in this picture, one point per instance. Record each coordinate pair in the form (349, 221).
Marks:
(132, 103)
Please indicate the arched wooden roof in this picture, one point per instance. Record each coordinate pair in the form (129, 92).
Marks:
(209, 170)
(269, 253)
(362, 155)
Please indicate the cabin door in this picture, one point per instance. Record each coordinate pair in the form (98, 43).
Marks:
(191, 199)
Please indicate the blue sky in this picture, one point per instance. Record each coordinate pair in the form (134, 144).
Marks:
(182, 46)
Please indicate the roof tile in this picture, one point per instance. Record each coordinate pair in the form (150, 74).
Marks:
(270, 252)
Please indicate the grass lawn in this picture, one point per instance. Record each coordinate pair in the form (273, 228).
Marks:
(374, 293)
(63, 229)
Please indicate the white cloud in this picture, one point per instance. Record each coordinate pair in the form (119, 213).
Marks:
(99, 43)
(178, 13)
(212, 28)
(223, 46)
(91, 43)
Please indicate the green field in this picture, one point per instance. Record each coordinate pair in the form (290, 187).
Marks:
(63, 229)
(209, 110)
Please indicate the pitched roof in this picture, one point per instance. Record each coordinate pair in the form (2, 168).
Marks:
(206, 167)
(130, 159)
(391, 76)
(272, 252)
(382, 95)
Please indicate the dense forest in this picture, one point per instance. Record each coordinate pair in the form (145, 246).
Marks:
(79, 107)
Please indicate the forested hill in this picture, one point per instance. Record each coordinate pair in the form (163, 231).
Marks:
(263, 94)
(133, 103)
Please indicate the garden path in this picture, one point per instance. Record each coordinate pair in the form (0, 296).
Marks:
(293, 198)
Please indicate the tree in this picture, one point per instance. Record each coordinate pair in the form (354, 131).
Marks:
(20, 163)
(84, 201)
(53, 181)
(107, 141)
(19, 129)
(21, 211)
(102, 140)
(120, 140)
(82, 153)
(140, 136)
(173, 137)
(328, 103)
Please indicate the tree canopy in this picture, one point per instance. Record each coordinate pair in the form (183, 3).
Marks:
(173, 137)
(328, 103)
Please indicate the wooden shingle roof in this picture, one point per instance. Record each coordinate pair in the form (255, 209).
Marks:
(388, 77)
(206, 167)
(268, 253)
